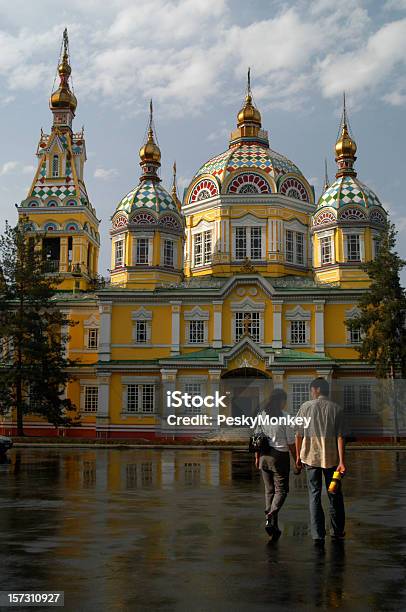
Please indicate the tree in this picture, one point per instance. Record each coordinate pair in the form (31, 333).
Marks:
(382, 318)
(34, 368)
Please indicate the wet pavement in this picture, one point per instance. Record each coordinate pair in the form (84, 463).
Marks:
(183, 530)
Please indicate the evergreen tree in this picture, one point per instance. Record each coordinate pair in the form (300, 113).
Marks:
(382, 323)
(33, 367)
(382, 319)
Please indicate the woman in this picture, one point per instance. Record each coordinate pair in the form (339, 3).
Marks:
(275, 464)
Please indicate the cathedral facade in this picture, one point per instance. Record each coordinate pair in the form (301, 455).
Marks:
(247, 275)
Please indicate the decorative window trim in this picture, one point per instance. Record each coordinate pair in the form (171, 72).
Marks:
(120, 221)
(143, 218)
(142, 315)
(298, 314)
(326, 216)
(293, 184)
(352, 214)
(206, 187)
(376, 216)
(170, 222)
(244, 179)
(351, 313)
(91, 323)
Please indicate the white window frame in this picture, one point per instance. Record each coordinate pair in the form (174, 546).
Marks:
(247, 306)
(144, 316)
(117, 262)
(93, 338)
(304, 382)
(295, 236)
(326, 234)
(92, 323)
(351, 314)
(199, 382)
(357, 386)
(84, 384)
(351, 232)
(144, 236)
(196, 314)
(249, 223)
(298, 314)
(165, 240)
(139, 383)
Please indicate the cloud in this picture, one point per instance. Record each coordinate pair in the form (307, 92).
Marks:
(9, 167)
(105, 174)
(367, 66)
(188, 54)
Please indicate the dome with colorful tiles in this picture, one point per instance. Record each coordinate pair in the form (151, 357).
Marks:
(249, 165)
(348, 190)
(148, 195)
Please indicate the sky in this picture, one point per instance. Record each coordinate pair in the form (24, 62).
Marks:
(191, 57)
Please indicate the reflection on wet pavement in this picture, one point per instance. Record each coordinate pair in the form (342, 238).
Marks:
(183, 530)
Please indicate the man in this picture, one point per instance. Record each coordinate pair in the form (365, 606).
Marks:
(320, 449)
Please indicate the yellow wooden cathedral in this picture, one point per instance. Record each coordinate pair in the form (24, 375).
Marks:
(247, 276)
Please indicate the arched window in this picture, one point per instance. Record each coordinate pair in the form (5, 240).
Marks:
(55, 165)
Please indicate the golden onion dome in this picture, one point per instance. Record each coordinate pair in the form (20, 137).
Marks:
(248, 113)
(150, 152)
(345, 145)
(63, 97)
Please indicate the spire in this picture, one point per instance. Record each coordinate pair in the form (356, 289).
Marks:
(345, 147)
(174, 190)
(249, 120)
(150, 153)
(63, 102)
(249, 115)
(326, 179)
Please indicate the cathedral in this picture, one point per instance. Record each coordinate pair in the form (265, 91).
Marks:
(246, 275)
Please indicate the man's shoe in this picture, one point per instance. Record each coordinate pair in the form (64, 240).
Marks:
(338, 537)
(319, 542)
(269, 528)
(276, 534)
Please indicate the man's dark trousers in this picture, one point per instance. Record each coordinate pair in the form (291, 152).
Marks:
(337, 514)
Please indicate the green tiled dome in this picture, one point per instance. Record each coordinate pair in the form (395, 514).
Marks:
(348, 190)
(148, 194)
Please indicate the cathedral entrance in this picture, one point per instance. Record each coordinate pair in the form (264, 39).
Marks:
(248, 389)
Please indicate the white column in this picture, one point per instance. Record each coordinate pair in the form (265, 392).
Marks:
(277, 323)
(214, 378)
(319, 326)
(175, 328)
(217, 324)
(105, 331)
(168, 379)
(103, 408)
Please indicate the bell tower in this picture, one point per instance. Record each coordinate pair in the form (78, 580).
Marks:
(57, 204)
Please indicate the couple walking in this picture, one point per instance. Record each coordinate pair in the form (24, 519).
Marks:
(319, 449)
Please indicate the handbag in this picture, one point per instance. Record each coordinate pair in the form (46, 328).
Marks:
(259, 444)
